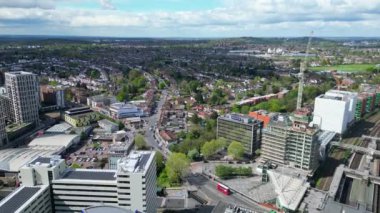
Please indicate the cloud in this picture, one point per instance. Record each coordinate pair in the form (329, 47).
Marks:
(107, 5)
(233, 17)
(43, 4)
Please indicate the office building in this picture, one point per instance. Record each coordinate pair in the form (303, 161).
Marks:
(81, 116)
(23, 92)
(335, 110)
(241, 128)
(6, 106)
(122, 110)
(131, 186)
(289, 140)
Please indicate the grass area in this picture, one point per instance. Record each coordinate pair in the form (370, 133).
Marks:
(345, 67)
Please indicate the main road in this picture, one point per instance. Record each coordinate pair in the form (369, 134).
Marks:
(151, 125)
(207, 188)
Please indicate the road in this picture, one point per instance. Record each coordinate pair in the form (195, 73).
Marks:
(207, 188)
(152, 122)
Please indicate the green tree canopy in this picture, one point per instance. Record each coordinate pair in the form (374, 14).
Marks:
(236, 150)
(140, 142)
(177, 167)
(212, 147)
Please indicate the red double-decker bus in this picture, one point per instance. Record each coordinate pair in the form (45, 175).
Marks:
(224, 189)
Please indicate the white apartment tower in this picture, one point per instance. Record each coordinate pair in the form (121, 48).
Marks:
(23, 92)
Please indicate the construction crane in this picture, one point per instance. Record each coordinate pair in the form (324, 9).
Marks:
(303, 67)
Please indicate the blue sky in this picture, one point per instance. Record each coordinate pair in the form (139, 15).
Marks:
(190, 18)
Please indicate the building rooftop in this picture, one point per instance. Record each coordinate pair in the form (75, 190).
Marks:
(136, 161)
(107, 122)
(18, 198)
(108, 209)
(78, 110)
(290, 190)
(239, 118)
(13, 159)
(19, 73)
(90, 174)
(61, 140)
(59, 128)
(118, 106)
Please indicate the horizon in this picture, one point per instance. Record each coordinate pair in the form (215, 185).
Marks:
(190, 19)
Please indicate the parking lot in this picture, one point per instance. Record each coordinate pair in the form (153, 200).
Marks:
(91, 155)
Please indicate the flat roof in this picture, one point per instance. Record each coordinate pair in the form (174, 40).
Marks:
(90, 174)
(136, 161)
(65, 140)
(18, 198)
(61, 127)
(107, 122)
(13, 159)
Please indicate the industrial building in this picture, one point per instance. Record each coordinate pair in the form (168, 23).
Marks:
(289, 140)
(241, 128)
(81, 116)
(131, 186)
(123, 110)
(335, 110)
(23, 92)
(108, 126)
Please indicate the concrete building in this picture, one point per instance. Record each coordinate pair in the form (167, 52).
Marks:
(100, 101)
(28, 199)
(6, 106)
(335, 110)
(81, 116)
(108, 126)
(51, 96)
(241, 128)
(3, 133)
(23, 92)
(291, 141)
(123, 110)
(132, 186)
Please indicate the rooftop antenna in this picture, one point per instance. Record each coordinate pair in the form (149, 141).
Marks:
(303, 67)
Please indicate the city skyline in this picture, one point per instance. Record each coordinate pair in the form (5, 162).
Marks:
(181, 18)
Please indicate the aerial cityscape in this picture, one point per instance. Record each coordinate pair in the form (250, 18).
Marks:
(220, 106)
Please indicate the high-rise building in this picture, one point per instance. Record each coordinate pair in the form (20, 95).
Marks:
(52, 96)
(131, 186)
(23, 92)
(3, 133)
(335, 110)
(291, 141)
(241, 128)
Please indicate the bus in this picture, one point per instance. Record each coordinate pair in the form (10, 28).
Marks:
(224, 189)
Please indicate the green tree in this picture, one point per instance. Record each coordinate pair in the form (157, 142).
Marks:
(236, 150)
(160, 163)
(177, 167)
(121, 125)
(140, 142)
(195, 119)
(212, 147)
(258, 152)
(161, 85)
(193, 154)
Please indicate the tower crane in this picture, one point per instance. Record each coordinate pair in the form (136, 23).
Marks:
(303, 67)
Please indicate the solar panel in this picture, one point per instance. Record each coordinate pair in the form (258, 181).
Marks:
(17, 200)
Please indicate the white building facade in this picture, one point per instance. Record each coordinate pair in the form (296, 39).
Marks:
(335, 110)
(132, 186)
(23, 92)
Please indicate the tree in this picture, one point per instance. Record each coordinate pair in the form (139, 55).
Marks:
(121, 125)
(160, 163)
(236, 150)
(212, 147)
(177, 167)
(195, 119)
(161, 85)
(193, 154)
(214, 115)
(226, 172)
(140, 142)
(258, 152)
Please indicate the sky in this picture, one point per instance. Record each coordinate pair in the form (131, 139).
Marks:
(190, 18)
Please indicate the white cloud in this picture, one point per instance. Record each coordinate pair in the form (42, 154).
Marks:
(107, 5)
(234, 17)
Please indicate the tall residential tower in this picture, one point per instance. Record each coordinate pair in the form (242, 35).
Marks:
(23, 92)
